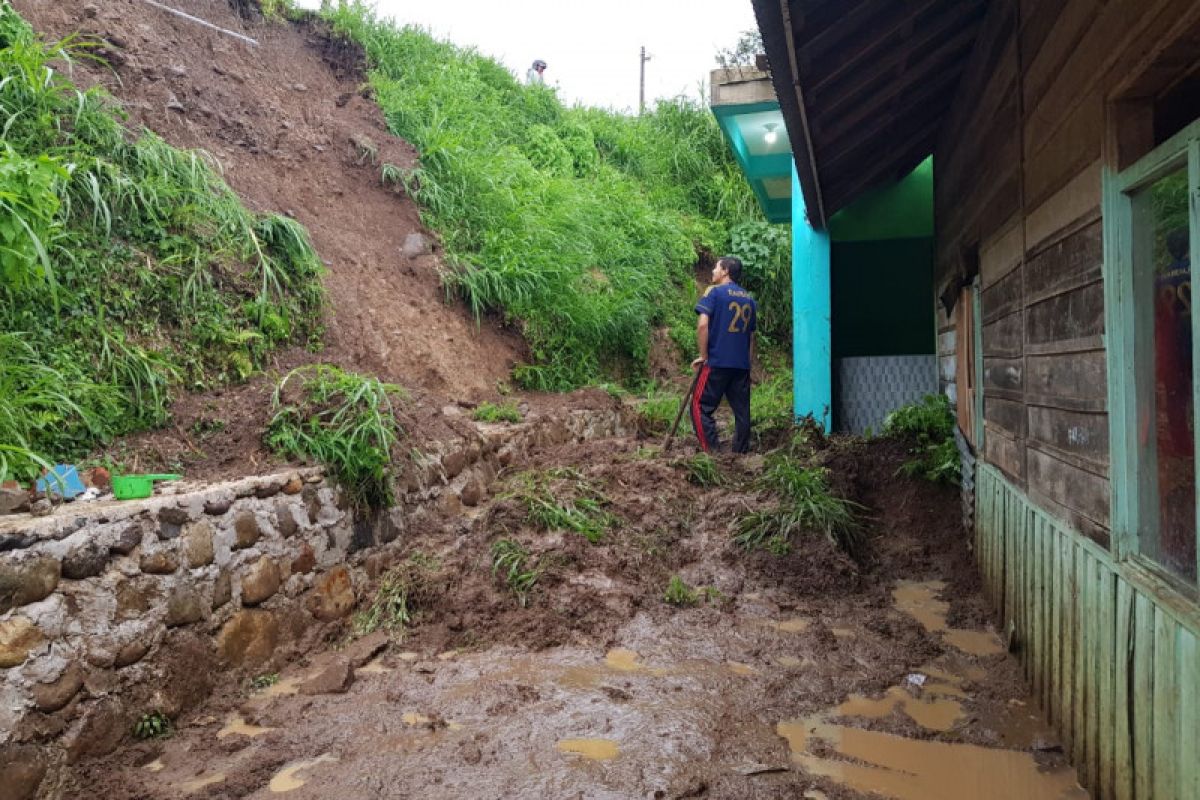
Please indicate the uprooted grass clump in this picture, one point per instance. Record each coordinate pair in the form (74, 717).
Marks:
(497, 412)
(513, 564)
(930, 425)
(127, 267)
(563, 499)
(701, 469)
(804, 504)
(347, 422)
(583, 224)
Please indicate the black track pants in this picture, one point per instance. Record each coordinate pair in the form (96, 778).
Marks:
(715, 383)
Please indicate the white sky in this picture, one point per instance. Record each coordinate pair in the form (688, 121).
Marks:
(591, 48)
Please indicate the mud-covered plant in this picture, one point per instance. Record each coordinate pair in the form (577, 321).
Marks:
(493, 412)
(562, 499)
(701, 469)
(805, 503)
(390, 609)
(929, 424)
(345, 421)
(152, 725)
(260, 682)
(511, 563)
(678, 593)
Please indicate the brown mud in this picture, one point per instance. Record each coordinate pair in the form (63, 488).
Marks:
(808, 675)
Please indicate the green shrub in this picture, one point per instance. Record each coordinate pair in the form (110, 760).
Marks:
(491, 412)
(805, 503)
(930, 425)
(510, 560)
(679, 593)
(574, 222)
(346, 422)
(127, 267)
(153, 725)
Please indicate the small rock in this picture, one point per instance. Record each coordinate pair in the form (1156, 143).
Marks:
(267, 490)
(50, 697)
(332, 596)
(472, 493)
(178, 70)
(248, 638)
(159, 562)
(260, 582)
(90, 11)
(285, 519)
(183, 607)
(99, 477)
(312, 503)
(13, 501)
(246, 532)
(173, 104)
(360, 651)
(101, 731)
(222, 590)
(198, 545)
(454, 462)
(173, 515)
(17, 637)
(41, 508)
(416, 244)
(168, 531)
(218, 505)
(22, 770)
(128, 539)
(303, 563)
(294, 484)
(28, 581)
(334, 679)
(299, 87)
(85, 561)
(131, 653)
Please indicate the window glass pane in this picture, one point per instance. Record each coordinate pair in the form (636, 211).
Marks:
(1165, 213)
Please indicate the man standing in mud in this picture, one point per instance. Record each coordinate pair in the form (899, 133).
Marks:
(728, 317)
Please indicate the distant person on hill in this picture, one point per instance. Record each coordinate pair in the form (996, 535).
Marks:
(534, 76)
(725, 338)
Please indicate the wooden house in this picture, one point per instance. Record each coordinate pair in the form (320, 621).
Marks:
(1065, 137)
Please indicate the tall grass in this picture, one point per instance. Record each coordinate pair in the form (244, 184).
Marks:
(929, 425)
(127, 267)
(574, 223)
(804, 504)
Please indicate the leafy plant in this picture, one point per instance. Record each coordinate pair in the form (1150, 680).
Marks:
(702, 469)
(389, 609)
(343, 420)
(152, 725)
(491, 412)
(805, 503)
(260, 682)
(510, 560)
(930, 425)
(561, 499)
(679, 593)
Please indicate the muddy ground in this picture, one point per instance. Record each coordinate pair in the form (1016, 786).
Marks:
(807, 675)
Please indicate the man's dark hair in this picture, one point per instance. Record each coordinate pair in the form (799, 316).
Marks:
(732, 265)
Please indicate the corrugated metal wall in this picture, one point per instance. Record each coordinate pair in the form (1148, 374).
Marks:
(1113, 659)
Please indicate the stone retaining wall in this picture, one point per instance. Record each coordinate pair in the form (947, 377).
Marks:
(109, 610)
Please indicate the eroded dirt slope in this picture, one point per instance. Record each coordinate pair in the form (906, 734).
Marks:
(807, 675)
(288, 125)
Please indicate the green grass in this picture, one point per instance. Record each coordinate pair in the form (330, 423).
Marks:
(390, 609)
(153, 725)
(701, 469)
(804, 504)
(679, 593)
(574, 222)
(260, 682)
(491, 412)
(562, 499)
(128, 269)
(345, 421)
(929, 424)
(657, 410)
(510, 561)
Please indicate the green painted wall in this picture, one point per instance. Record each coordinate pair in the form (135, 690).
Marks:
(881, 292)
(903, 210)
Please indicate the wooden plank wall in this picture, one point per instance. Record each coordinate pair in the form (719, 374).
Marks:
(1116, 670)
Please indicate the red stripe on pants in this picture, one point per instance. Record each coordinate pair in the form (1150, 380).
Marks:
(696, 419)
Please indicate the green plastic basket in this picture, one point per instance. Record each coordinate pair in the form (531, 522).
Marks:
(134, 487)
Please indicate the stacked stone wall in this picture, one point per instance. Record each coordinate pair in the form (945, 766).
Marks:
(110, 610)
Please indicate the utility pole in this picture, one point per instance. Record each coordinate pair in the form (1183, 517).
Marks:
(642, 83)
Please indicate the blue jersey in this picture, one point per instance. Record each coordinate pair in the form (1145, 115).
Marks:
(732, 320)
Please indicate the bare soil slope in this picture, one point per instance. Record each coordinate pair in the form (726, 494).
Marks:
(288, 125)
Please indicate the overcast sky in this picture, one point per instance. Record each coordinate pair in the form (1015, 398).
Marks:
(591, 48)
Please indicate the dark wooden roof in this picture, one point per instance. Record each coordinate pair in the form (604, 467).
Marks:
(864, 86)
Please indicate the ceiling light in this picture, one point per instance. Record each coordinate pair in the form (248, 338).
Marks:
(770, 136)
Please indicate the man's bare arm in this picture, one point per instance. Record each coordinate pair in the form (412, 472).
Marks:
(701, 339)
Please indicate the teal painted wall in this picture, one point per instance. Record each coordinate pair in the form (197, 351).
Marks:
(812, 373)
(880, 297)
